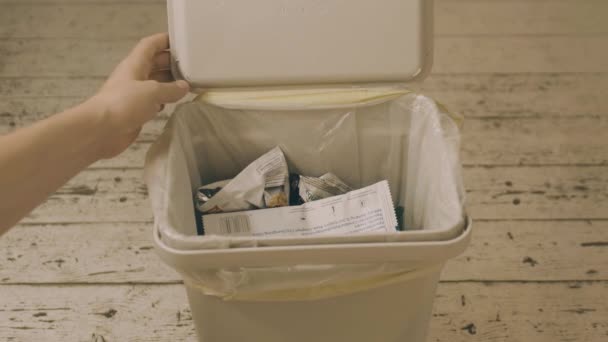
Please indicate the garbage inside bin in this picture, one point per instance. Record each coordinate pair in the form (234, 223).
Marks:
(368, 210)
(330, 103)
(265, 184)
(246, 192)
(312, 188)
(409, 141)
(262, 184)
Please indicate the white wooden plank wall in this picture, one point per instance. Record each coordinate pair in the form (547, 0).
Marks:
(530, 76)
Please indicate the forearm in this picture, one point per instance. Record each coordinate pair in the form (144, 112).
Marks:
(35, 161)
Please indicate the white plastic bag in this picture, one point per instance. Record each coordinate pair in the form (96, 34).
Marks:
(395, 135)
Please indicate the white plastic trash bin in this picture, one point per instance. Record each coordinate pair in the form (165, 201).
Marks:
(341, 288)
(275, 43)
(316, 78)
(399, 310)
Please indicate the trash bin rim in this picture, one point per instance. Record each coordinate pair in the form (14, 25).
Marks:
(181, 242)
(423, 252)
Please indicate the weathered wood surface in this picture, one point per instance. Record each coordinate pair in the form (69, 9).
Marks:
(531, 76)
(123, 253)
(548, 192)
(107, 20)
(491, 141)
(463, 312)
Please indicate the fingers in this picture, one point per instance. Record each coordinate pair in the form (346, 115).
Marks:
(149, 54)
(149, 46)
(162, 76)
(168, 92)
(162, 60)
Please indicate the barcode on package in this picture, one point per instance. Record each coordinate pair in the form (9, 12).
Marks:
(230, 225)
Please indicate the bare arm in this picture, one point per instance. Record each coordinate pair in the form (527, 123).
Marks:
(36, 160)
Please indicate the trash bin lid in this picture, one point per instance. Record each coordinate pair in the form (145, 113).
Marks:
(266, 43)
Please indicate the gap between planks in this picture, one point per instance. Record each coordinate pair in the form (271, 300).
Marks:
(498, 193)
(462, 312)
(488, 282)
(103, 19)
(567, 141)
(120, 253)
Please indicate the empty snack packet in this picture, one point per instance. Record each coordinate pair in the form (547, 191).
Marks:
(262, 184)
(307, 189)
(328, 185)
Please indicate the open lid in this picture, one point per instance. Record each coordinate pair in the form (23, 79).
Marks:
(275, 43)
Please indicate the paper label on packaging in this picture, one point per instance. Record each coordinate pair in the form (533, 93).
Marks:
(367, 210)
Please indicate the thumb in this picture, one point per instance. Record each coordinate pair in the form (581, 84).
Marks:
(170, 92)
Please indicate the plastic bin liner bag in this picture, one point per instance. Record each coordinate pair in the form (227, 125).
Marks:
(361, 135)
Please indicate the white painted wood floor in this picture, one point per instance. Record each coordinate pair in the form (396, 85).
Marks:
(530, 76)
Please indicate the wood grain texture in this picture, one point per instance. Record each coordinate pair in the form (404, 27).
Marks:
(520, 95)
(462, 312)
(519, 54)
(530, 75)
(45, 88)
(474, 17)
(92, 196)
(82, 253)
(546, 192)
(116, 20)
(533, 251)
(535, 141)
(133, 20)
(485, 141)
(488, 141)
(114, 253)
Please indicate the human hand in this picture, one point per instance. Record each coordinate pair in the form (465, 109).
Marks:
(134, 93)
